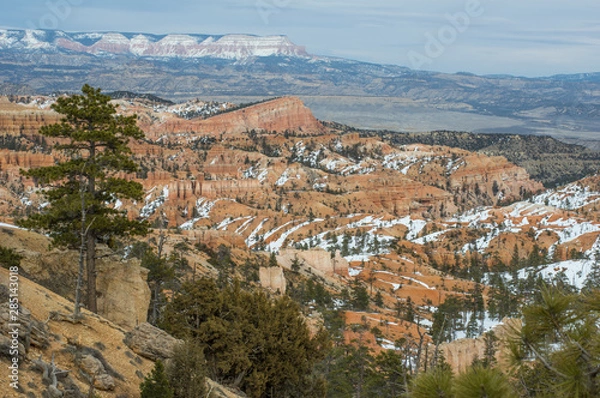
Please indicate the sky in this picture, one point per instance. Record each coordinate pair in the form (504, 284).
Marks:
(517, 37)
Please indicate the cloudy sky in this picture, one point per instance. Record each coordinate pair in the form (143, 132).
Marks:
(519, 37)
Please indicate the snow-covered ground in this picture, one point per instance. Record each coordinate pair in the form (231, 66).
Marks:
(5, 225)
(277, 244)
(151, 206)
(575, 272)
(571, 197)
(203, 208)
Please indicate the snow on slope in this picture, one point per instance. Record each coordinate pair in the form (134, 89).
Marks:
(234, 47)
(571, 197)
(151, 206)
(203, 208)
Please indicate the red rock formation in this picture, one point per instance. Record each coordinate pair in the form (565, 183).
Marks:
(288, 113)
(495, 170)
(25, 121)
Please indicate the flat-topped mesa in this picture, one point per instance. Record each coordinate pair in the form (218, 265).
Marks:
(235, 46)
(281, 114)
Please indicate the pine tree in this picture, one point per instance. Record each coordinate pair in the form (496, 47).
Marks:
(561, 331)
(251, 341)
(482, 382)
(9, 257)
(94, 142)
(156, 384)
(436, 383)
(388, 378)
(592, 280)
(187, 371)
(515, 259)
(160, 273)
(360, 297)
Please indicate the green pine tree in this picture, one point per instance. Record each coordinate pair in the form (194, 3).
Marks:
(9, 257)
(258, 344)
(436, 383)
(592, 280)
(156, 384)
(187, 371)
(561, 332)
(360, 296)
(94, 142)
(480, 382)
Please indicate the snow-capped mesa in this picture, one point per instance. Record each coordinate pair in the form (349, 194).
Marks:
(235, 46)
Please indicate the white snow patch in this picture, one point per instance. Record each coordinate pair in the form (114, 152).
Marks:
(252, 238)
(151, 207)
(429, 238)
(425, 285)
(282, 179)
(245, 225)
(570, 197)
(275, 246)
(5, 225)
(203, 208)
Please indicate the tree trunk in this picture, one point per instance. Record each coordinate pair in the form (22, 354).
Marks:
(81, 263)
(91, 240)
(91, 273)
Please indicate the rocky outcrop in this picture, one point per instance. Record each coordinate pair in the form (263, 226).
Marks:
(69, 342)
(95, 371)
(229, 188)
(495, 176)
(460, 353)
(151, 342)
(317, 259)
(124, 295)
(272, 278)
(287, 113)
(15, 160)
(25, 121)
(31, 332)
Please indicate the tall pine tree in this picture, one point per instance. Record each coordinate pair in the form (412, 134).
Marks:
(93, 140)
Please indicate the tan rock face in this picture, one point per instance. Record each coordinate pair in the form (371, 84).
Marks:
(25, 121)
(493, 173)
(32, 332)
(151, 342)
(272, 278)
(93, 334)
(318, 259)
(11, 159)
(93, 369)
(460, 353)
(124, 294)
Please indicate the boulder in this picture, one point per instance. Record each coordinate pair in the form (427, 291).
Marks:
(151, 342)
(124, 295)
(94, 369)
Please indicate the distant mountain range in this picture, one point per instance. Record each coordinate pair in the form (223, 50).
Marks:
(236, 47)
(243, 67)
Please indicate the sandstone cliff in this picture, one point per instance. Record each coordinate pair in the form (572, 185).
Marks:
(124, 295)
(287, 113)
